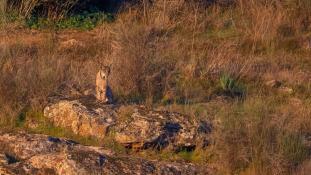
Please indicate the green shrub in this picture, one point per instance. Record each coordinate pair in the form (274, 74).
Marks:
(20, 120)
(231, 85)
(84, 21)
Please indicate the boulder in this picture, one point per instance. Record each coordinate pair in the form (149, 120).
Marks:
(81, 117)
(131, 125)
(22, 153)
(149, 128)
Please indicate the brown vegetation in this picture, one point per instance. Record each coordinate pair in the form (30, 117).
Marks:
(175, 52)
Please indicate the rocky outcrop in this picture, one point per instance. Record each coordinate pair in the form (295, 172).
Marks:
(83, 120)
(150, 128)
(22, 153)
(131, 125)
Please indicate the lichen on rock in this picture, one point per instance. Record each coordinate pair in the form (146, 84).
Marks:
(22, 153)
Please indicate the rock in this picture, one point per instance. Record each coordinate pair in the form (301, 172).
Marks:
(89, 92)
(81, 117)
(41, 154)
(306, 43)
(286, 90)
(149, 128)
(278, 85)
(273, 83)
(70, 44)
(137, 127)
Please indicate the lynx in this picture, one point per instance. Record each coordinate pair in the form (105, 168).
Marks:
(103, 91)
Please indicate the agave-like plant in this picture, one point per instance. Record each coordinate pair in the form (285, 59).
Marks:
(229, 84)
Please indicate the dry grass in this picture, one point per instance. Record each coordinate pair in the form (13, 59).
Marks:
(175, 51)
(54, 9)
(259, 137)
(31, 70)
(176, 47)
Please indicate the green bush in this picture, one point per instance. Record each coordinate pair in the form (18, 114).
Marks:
(20, 120)
(231, 85)
(84, 21)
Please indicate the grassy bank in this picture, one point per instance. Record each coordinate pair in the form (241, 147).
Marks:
(211, 61)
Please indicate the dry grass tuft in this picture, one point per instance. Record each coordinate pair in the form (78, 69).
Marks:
(53, 9)
(175, 52)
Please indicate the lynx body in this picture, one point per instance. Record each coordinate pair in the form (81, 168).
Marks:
(103, 91)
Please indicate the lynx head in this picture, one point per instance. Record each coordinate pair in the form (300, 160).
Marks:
(104, 72)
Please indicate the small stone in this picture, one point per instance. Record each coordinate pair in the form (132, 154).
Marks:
(286, 90)
(71, 43)
(273, 83)
(109, 120)
(88, 92)
(306, 43)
